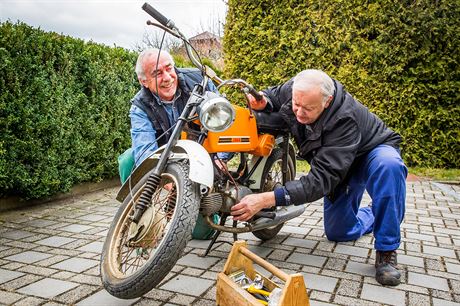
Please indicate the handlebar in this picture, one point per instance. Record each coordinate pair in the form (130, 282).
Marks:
(158, 16)
(169, 26)
(245, 86)
(254, 93)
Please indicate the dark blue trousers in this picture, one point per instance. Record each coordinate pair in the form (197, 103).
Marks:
(383, 174)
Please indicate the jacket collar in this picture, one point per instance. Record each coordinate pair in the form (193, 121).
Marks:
(337, 102)
(181, 85)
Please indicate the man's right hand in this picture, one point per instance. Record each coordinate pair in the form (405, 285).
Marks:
(257, 105)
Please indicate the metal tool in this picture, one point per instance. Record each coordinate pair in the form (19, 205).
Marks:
(258, 282)
(252, 286)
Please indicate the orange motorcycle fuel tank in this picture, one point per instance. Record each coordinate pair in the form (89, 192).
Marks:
(241, 136)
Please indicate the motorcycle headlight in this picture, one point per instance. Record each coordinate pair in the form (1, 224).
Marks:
(216, 113)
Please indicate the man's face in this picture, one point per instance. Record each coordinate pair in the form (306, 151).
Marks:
(308, 106)
(165, 76)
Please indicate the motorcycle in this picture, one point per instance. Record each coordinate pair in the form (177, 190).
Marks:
(164, 195)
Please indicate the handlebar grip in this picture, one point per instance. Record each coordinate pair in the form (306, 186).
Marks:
(157, 15)
(254, 93)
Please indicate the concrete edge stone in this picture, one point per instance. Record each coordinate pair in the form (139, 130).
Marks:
(15, 202)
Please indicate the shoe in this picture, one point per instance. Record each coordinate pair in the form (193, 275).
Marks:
(386, 272)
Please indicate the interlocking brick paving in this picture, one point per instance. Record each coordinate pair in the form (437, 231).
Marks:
(49, 255)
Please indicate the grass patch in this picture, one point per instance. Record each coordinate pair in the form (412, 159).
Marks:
(425, 173)
(233, 163)
(302, 166)
(436, 174)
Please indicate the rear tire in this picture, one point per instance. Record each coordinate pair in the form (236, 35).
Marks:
(136, 259)
(272, 177)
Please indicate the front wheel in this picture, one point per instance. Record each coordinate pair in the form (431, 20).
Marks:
(136, 258)
(272, 177)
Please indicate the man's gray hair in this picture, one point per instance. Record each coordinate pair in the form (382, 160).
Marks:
(310, 79)
(146, 54)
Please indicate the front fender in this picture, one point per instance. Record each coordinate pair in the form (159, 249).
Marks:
(201, 168)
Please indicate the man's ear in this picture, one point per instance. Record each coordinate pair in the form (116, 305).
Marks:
(143, 82)
(328, 102)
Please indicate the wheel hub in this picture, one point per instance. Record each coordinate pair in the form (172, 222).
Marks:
(149, 229)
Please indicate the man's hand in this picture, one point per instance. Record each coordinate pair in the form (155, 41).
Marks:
(251, 204)
(257, 105)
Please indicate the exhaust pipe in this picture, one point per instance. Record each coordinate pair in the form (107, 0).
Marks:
(268, 219)
(281, 215)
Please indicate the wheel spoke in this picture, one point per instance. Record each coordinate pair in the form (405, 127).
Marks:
(128, 263)
(125, 259)
(275, 176)
(136, 245)
(134, 263)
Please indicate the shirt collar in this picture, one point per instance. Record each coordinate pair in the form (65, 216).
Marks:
(176, 96)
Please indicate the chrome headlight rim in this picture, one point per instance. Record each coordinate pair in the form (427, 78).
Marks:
(211, 107)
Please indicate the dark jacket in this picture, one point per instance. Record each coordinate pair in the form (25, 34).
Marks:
(151, 105)
(333, 145)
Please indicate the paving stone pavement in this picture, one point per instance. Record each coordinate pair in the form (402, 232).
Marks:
(49, 255)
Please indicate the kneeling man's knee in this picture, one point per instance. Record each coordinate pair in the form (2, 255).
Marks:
(392, 166)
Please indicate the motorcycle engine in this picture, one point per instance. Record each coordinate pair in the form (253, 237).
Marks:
(223, 201)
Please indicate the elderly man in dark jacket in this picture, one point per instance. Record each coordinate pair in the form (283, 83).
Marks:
(349, 150)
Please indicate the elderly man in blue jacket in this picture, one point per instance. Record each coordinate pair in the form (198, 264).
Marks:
(159, 103)
(155, 109)
(349, 150)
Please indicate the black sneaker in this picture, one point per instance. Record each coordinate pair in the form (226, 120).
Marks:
(386, 272)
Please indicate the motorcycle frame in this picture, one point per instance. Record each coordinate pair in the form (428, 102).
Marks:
(196, 97)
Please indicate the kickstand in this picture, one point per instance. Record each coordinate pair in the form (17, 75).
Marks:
(216, 235)
(235, 235)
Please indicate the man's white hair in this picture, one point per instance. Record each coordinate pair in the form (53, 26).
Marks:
(146, 54)
(310, 79)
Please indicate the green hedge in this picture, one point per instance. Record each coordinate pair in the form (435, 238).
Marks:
(400, 58)
(63, 110)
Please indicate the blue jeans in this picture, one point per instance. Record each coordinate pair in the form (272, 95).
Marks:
(383, 174)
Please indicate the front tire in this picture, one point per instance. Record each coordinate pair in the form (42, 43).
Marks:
(136, 258)
(272, 177)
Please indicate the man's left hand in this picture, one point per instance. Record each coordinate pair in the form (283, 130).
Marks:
(251, 204)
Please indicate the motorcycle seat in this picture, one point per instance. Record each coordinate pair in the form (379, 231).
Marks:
(271, 123)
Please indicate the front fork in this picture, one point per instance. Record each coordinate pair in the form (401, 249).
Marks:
(155, 177)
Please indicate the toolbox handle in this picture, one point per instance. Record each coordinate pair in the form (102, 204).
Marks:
(264, 264)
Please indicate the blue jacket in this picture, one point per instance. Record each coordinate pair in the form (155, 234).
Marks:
(150, 117)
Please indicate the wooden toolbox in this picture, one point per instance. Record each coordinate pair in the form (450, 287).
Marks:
(229, 293)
